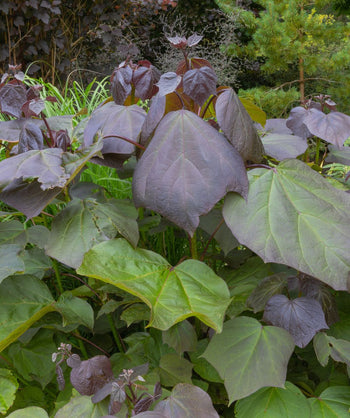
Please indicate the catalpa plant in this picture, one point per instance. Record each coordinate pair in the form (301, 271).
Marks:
(208, 164)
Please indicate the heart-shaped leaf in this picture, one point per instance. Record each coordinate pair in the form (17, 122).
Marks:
(174, 369)
(145, 79)
(199, 84)
(194, 288)
(293, 216)
(181, 337)
(75, 310)
(238, 126)
(12, 98)
(84, 223)
(296, 120)
(121, 84)
(333, 402)
(168, 83)
(154, 116)
(333, 127)
(30, 411)
(238, 351)
(302, 317)
(14, 263)
(338, 155)
(82, 407)
(30, 138)
(23, 300)
(288, 402)
(285, 146)
(187, 401)
(186, 169)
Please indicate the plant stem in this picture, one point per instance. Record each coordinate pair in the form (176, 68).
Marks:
(193, 245)
(127, 140)
(79, 337)
(57, 274)
(211, 239)
(317, 156)
(116, 335)
(81, 345)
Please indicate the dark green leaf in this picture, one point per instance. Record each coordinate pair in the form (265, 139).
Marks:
(268, 287)
(249, 356)
(184, 148)
(238, 127)
(293, 216)
(12, 232)
(173, 293)
(302, 317)
(75, 310)
(174, 369)
(274, 403)
(36, 262)
(201, 366)
(135, 313)
(181, 337)
(33, 360)
(23, 300)
(187, 401)
(13, 264)
(108, 307)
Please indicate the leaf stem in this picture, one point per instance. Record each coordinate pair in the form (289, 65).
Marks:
(211, 238)
(193, 245)
(117, 338)
(317, 155)
(57, 274)
(79, 337)
(127, 140)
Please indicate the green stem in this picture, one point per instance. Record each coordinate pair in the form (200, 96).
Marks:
(317, 156)
(82, 346)
(116, 335)
(57, 274)
(193, 244)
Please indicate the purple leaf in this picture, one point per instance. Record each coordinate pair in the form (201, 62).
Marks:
(238, 126)
(187, 168)
(168, 83)
(333, 127)
(145, 79)
(283, 146)
(121, 84)
(194, 39)
(12, 98)
(30, 138)
(154, 116)
(199, 84)
(91, 375)
(296, 122)
(302, 317)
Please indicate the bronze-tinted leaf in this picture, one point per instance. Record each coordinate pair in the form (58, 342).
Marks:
(238, 126)
(144, 80)
(168, 83)
(296, 122)
(30, 138)
(12, 98)
(199, 84)
(121, 84)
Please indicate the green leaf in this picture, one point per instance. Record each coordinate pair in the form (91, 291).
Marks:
(12, 232)
(181, 337)
(75, 310)
(8, 389)
(84, 223)
(293, 216)
(13, 264)
(254, 111)
(268, 287)
(23, 300)
(29, 358)
(201, 365)
(108, 307)
(274, 403)
(187, 401)
(82, 407)
(322, 348)
(174, 369)
(29, 412)
(36, 262)
(135, 313)
(249, 356)
(334, 402)
(173, 293)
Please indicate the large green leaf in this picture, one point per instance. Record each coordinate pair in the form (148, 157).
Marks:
(23, 300)
(181, 337)
(82, 407)
(293, 216)
(173, 293)
(29, 412)
(84, 223)
(75, 310)
(186, 169)
(334, 402)
(29, 357)
(249, 356)
(174, 369)
(274, 403)
(11, 262)
(8, 389)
